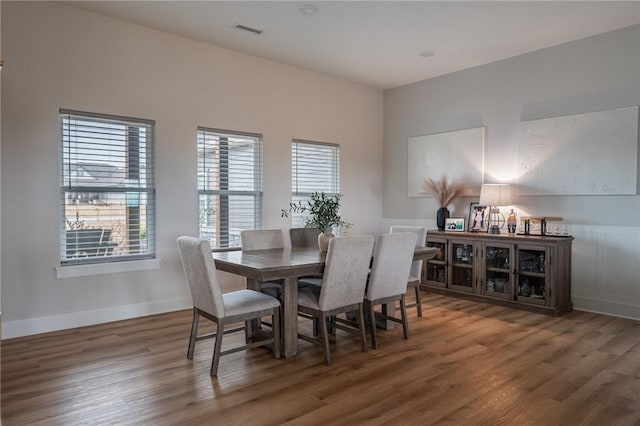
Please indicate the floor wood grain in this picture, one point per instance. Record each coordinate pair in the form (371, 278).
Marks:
(466, 363)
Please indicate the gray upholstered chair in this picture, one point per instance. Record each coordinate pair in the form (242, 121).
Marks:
(209, 302)
(416, 266)
(264, 239)
(261, 239)
(392, 260)
(304, 237)
(342, 290)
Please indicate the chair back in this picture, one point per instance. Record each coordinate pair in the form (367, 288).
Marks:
(261, 239)
(200, 271)
(304, 237)
(345, 271)
(392, 260)
(421, 233)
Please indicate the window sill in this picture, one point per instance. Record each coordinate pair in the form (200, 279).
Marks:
(71, 271)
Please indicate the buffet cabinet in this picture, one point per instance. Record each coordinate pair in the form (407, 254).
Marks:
(524, 271)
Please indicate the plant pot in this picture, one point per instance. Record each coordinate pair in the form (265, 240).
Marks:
(323, 240)
(441, 215)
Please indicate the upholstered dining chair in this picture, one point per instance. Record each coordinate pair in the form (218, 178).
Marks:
(392, 260)
(416, 267)
(209, 302)
(261, 239)
(304, 237)
(342, 289)
(264, 239)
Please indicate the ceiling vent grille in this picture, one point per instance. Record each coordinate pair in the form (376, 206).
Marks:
(247, 29)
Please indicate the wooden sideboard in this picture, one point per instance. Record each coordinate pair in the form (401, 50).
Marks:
(523, 271)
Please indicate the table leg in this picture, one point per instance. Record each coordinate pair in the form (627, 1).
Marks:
(387, 309)
(253, 324)
(290, 317)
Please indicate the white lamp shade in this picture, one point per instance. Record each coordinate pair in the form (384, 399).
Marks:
(496, 194)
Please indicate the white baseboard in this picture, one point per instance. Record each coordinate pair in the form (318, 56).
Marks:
(606, 307)
(31, 326)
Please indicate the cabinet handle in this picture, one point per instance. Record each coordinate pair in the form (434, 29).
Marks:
(515, 271)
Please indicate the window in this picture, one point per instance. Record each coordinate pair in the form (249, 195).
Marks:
(229, 185)
(107, 189)
(315, 167)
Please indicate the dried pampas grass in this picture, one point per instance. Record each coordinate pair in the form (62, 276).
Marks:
(445, 192)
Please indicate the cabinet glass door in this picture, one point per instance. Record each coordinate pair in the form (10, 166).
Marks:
(462, 257)
(533, 263)
(435, 268)
(497, 280)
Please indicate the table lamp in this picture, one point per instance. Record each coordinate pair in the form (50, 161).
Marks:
(495, 195)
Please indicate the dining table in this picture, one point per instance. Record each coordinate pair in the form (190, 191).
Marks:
(288, 264)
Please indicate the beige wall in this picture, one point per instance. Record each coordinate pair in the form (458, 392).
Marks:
(64, 58)
(593, 74)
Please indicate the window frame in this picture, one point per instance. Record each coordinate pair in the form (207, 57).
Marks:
(144, 189)
(298, 219)
(224, 242)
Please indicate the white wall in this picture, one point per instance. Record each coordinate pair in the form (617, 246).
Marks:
(593, 74)
(64, 58)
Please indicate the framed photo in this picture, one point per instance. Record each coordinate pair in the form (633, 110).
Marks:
(478, 218)
(454, 224)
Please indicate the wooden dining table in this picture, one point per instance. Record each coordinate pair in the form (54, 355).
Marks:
(289, 264)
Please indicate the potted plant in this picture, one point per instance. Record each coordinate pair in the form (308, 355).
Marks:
(323, 213)
(444, 193)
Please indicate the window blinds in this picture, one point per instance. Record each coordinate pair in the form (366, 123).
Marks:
(107, 189)
(315, 167)
(229, 185)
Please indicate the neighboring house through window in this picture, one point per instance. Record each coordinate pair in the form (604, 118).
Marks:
(107, 188)
(315, 167)
(229, 185)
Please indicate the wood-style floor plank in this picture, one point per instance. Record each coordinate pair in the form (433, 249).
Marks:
(465, 363)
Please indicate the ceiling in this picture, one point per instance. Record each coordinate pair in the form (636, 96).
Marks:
(378, 43)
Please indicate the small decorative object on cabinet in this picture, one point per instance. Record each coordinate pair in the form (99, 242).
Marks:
(444, 194)
(522, 271)
(512, 222)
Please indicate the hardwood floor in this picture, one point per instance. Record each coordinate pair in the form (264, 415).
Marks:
(465, 363)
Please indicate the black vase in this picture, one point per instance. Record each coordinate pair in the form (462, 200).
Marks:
(441, 215)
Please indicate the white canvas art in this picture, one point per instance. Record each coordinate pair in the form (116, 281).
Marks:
(595, 153)
(458, 155)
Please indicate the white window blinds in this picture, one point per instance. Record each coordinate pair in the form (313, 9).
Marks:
(229, 185)
(107, 188)
(315, 167)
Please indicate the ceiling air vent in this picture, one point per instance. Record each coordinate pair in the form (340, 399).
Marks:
(246, 29)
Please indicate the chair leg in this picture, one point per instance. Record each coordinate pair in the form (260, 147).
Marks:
(418, 301)
(217, 348)
(194, 334)
(277, 329)
(324, 335)
(403, 313)
(372, 324)
(248, 331)
(363, 333)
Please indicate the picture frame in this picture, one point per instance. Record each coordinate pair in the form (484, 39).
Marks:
(454, 224)
(478, 218)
